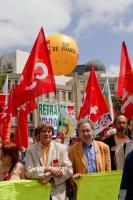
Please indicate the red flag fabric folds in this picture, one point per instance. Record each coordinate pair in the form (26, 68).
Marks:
(37, 77)
(94, 105)
(21, 136)
(124, 60)
(127, 97)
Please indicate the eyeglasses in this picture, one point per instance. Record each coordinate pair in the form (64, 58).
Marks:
(85, 130)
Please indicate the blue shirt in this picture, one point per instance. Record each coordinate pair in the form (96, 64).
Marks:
(90, 157)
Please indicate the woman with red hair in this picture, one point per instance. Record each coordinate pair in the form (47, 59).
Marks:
(10, 167)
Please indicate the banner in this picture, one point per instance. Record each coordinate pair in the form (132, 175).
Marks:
(49, 112)
(100, 186)
(24, 189)
(67, 125)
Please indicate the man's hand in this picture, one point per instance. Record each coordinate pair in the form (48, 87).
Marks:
(46, 178)
(55, 171)
(77, 176)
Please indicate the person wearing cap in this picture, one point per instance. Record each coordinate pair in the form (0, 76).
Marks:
(48, 161)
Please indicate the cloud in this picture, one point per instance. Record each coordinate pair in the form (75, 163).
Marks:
(103, 13)
(113, 70)
(20, 21)
(123, 27)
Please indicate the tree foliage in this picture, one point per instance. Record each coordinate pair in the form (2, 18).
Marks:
(2, 80)
(117, 103)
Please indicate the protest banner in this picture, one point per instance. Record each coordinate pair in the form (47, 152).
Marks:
(24, 189)
(50, 112)
(101, 186)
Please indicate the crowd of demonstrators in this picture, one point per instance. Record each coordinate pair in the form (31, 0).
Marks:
(114, 141)
(48, 161)
(10, 167)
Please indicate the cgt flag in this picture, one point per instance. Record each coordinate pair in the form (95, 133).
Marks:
(37, 77)
(94, 105)
(127, 97)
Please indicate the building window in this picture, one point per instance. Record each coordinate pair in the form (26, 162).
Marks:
(101, 85)
(47, 96)
(31, 133)
(16, 82)
(57, 95)
(112, 87)
(82, 95)
(70, 96)
(63, 95)
(53, 95)
(30, 117)
(9, 85)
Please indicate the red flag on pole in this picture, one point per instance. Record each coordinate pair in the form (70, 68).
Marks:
(37, 77)
(8, 111)
(124, 60)
(2, 104)
(94, 105)
(21, 136)
(127, 97)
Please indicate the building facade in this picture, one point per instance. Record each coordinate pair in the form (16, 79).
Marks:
(70, 89)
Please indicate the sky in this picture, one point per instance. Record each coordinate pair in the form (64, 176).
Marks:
(97, 26)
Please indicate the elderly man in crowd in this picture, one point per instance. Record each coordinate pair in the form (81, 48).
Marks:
(115, 141)
(89, 156)
(126, 147)
(48, 161)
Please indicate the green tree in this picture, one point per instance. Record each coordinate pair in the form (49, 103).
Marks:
(117, 103)
(2, 80)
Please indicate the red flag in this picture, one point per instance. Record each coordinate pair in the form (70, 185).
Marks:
(124, 60)
(94, 105)
(12, 108)
(29, 106)
(127, 98)
(6, 130)
(37, 77)
(21, 136)
(8, 111)
(2, 104)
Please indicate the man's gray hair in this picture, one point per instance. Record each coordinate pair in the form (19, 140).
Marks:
(83, 121)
